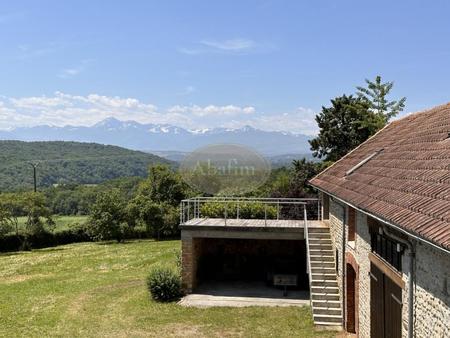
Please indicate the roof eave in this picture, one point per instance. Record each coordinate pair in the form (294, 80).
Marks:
(387, 222)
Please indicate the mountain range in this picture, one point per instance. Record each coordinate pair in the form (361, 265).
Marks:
(163, 137)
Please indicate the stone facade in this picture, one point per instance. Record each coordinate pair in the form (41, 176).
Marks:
(432, 284)
(432, 292)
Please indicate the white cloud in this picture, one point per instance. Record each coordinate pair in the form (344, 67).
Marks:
(230, 45)
(212, 110)
(63, 109)
(67, 73)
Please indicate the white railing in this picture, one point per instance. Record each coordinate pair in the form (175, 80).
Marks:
(308, 261)
(238, 208)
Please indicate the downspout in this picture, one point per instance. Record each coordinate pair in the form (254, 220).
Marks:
(411, 254)
(344, 270)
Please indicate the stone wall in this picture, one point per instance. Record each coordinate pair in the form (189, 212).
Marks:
(432, 277)
(432, 292)
(361, 251)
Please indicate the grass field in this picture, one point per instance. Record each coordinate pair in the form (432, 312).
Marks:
(61, 222)
(98, 290)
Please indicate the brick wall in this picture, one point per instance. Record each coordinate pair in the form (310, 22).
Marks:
(190, 249)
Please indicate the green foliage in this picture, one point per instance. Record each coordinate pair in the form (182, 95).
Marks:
(68, 163)
(163, 185)
(8, 218)
(164, 284)
(107, 218)
(160, 219)
(352, 120)
(376, 97)
(71, 199)
(341, 127)
(246, 210)
(34, 206)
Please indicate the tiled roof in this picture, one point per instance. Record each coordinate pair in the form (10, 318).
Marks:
(407, 183)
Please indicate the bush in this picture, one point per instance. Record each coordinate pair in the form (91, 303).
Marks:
(246, 210)
(164, 284)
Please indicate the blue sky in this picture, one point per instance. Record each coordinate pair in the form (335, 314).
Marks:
(271, 64)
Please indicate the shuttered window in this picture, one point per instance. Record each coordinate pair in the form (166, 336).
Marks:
(351, 224)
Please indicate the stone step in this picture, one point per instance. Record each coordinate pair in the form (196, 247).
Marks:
(325, 289)
(323, 270)
(324, 282)
(329, 326)
(325, 296)
(320, 247)
(332, 319)
(326, 311)
(321, 258)
(319, 235)
(318, 230)
(335, 304)
(320, 252)
(321, 241)
(323, 276)
(322, 264)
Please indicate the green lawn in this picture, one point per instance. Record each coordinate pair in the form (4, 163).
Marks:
(98, 290)
(61, 222)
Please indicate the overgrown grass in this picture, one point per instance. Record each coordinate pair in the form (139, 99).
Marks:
(98, 290)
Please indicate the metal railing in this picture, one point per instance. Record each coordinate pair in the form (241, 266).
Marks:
(308, 260)
(227, 208)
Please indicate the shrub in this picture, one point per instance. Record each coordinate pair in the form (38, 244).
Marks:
(164, 284)
(246, 210)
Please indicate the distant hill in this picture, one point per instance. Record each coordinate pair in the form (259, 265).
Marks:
(164, 137)
(68, 162)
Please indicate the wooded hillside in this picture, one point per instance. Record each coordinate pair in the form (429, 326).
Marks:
(68, 162)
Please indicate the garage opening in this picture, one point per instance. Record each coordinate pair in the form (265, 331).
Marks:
(252, 261)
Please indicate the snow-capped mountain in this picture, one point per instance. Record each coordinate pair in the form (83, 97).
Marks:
(163, 137)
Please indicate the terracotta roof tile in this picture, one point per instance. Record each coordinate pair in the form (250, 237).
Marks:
(408, 182)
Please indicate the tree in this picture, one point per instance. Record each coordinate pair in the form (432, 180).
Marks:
(107, 218)
(375, 95)
(303, 170)
(35, 207)
(9, 212)
(163, 185)
(342, 127)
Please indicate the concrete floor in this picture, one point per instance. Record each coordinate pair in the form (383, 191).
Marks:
(240, 294)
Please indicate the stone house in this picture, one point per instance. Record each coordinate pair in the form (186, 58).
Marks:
(372, 253)
(387, 204)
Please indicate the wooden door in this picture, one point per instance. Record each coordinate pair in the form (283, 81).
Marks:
(385, 305)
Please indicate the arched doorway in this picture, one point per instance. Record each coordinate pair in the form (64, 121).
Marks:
(351, 303)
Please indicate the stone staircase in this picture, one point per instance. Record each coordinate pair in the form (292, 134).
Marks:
(326, 306)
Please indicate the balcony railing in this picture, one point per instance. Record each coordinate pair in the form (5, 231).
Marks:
(227, 208)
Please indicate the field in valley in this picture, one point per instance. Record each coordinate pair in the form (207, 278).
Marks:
(98, 290)
(61, 222)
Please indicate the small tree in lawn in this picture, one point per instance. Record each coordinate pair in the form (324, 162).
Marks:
(38, 214)
(107, 217)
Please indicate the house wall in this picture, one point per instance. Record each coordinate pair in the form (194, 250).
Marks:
(432, 292)
(432, 276)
